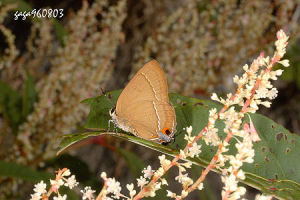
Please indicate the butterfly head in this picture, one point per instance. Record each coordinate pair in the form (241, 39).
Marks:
(112, 112)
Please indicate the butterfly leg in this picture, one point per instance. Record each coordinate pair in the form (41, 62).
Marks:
(108, 125)
(156, 139)
(111, 121)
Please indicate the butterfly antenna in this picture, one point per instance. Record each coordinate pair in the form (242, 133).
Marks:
(177, 147)
(103, 92)
(178, 133)
(107, 95)
(174, 138)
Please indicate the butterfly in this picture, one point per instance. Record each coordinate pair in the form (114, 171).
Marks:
(143, 107)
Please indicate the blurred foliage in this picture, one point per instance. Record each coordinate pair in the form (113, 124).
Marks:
(292, 73)
(11, 105)
(135, 164)
(202, 44)
(207, 193)
(15, 107)
(21, 5)
(29, 96)
(76, 166)
(8, 169)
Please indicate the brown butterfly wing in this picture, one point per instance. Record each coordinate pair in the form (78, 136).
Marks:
(144, 103)
(148, 117)
(149, 83)
(167, 119)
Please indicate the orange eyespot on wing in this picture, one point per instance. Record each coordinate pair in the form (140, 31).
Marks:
(166, 131)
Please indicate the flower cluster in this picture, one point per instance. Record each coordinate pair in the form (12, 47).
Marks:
(112, 189)
(149, 187)
(148, 173)
(263, 197)
(254, 88)
(111, 186)
(211, 136)
(88, 193)
(62, 178)
(152, 180)
(143, 180)
(256, 78)
(193, 148)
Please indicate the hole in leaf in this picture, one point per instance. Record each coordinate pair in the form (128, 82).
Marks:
(273, 126)
(197, 104)
(267, 159)
(263, 149)
(287, 150)
(279, 136)
(285, 137)
(276, 176)
(256, 165)
(293, 141)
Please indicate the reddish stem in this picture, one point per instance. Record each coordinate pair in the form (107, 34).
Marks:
(204, 130)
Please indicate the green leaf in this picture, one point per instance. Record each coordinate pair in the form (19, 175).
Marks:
(11, 106)
(29, 96)
(60, 30)
(292, 73)
(101, 106)
(207, 192)
(15, 108)
(135, 164)
(70, 139)
(13, 170)
(276, 156)
(74, 164)
(22, 5)
(71, 194)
